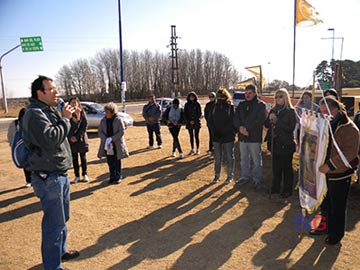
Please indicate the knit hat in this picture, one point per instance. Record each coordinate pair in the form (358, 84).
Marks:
(212, 94)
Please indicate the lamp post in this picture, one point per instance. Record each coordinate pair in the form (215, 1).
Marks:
(122, 77)
(332, 56)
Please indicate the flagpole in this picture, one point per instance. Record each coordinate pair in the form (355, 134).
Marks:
(294, 50)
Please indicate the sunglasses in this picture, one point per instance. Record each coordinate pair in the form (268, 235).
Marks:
(279, 96)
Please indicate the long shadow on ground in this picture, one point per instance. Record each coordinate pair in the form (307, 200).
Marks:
(223, 241)
(153, 243)
(283, 239)
(167, 175)
(36, 207)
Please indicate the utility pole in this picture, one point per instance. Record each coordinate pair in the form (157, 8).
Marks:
(174, 60)
(2, 78)
(122, 78)
(332, 57)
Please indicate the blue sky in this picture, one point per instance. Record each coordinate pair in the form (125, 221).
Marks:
(249, 32)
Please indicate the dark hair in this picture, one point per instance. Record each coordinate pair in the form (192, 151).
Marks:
(331, 92)
(38, 85)
(251, 87)
(176, 101)
(332, 102)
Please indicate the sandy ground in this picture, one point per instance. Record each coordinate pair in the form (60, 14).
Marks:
(164, 215)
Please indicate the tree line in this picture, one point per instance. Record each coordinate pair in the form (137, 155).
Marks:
(347, 71)
(145, 72)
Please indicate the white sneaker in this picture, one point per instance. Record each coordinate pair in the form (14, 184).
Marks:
(86, 178)
(181, 155)
(28, 185)
(191, 152)
(159, 146)
(76, 179)
(150, 147)
(173, 154)
(197, 152)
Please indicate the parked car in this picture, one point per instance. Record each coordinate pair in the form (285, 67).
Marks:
(164, 103)
(238, 97)
(95, 112)
(167, 102)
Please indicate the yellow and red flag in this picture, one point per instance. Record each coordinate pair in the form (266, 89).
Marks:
(306, 15)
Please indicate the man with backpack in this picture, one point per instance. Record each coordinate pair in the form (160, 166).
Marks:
(45, 133)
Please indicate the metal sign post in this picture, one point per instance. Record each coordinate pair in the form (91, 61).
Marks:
(28, 44)
(2, 78)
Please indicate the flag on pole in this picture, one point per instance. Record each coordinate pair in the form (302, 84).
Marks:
(256, 70)
(243, 84)
(306, 15)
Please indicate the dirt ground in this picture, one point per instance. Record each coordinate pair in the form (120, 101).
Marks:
(164, 215)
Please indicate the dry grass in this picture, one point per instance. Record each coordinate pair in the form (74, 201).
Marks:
(165, 216)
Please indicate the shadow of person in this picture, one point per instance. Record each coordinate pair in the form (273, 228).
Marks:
(318, 256)
(162, 243)
(283, 240)
(167, 175)
(144, 228)
(9, 201)
(221, 242)
(36, 207)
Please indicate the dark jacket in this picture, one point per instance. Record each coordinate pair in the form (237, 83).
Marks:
(78, 130)
(45, 133)
(221, 122)
(346, 136)
(165, 117)
(251, 115)
(283, 131)
(151, 113)
(192, 112)
(207, 110)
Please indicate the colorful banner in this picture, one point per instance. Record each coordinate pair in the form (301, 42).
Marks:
(314, 138)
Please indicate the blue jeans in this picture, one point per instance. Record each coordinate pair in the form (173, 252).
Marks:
(154, 128)
(114, 167)
(54, 193)
(224, 150)
(251, 151)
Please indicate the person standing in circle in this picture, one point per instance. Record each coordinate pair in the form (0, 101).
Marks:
(192, 112)
(78, 139)
(112, 145)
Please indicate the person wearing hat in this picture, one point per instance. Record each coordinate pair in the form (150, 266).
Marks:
(173, 117)
(207, 110)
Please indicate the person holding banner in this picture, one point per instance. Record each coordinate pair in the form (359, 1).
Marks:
(281, 123)
(340, 163)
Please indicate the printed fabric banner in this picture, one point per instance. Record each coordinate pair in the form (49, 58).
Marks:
(314, 138)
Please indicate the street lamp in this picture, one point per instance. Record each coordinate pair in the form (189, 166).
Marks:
(332, 56)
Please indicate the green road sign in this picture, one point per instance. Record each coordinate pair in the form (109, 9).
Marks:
(31, 44)
(325, 85)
